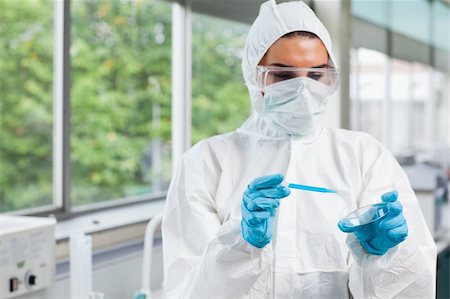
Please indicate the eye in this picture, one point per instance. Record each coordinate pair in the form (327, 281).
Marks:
(315, 75)
(281, 76)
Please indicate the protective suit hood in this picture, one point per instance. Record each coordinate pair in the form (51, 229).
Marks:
(274, 21)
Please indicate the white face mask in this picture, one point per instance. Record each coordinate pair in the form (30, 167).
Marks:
(294, 106)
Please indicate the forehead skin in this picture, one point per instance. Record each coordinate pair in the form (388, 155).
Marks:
(296, 52)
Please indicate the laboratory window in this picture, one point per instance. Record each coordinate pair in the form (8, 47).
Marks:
(26, 104)
(220, 100)
(120, 99)
(118, 63)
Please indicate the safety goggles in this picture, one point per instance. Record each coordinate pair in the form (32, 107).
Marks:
(268, 75)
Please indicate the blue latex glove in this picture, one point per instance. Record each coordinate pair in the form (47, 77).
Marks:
(259, 204)
(391, 230)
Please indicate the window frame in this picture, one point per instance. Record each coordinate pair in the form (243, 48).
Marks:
(61, 207)
(391, 43)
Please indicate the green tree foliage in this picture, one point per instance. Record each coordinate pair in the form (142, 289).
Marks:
(120, 96)
(26, 75)
(220, 101)
(121, 63)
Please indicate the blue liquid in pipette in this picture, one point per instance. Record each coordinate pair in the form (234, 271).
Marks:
(311, 188)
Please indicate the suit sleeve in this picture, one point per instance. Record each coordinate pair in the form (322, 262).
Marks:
(409, 269)
(204, 258)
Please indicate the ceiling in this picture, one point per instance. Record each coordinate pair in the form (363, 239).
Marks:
(238, 10)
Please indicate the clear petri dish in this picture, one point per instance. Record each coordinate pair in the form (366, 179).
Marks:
(366, 215)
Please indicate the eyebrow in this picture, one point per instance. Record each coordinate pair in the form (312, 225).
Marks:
(312, 67)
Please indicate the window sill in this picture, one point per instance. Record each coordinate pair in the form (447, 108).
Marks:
(109, 227)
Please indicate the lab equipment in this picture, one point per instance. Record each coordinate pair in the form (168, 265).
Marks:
(27, 254)
(145, 291)
(443, 272)
(80, 265)
(259, 204)
(310, 188)
(378, 227)
(295, 106)
(270, 75)
(205, 255)
(96, 295)
(141, 294)
(366, 218)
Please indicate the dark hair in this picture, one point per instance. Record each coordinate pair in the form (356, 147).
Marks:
(302, 34)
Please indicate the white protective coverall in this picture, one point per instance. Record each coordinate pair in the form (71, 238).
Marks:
(205, 255)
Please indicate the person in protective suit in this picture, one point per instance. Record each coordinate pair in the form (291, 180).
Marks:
(231, 227)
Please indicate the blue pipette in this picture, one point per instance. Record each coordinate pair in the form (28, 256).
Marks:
(311, 188)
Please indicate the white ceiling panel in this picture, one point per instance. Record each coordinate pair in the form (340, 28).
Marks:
(238, 10)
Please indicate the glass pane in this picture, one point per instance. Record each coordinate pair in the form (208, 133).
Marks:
(412, 18)
(400, 94)
(26, 120)
(374, 11)
(418, 125)
(220, 100)
(421, 97)
(401, 73)
(372, 71)
(442, 106)
(368, 90)
(371, 115)
(121, 96)
(441, 25)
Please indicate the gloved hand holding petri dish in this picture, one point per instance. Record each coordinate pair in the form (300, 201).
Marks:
(366, 218)
(378, 227)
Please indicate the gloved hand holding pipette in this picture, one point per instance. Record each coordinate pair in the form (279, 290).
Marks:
(261, 199)
(259, 204)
